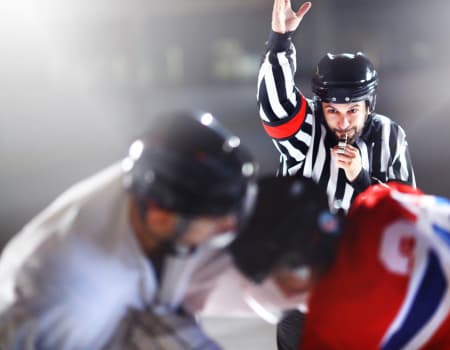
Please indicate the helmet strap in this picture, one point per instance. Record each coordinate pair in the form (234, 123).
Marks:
(181, 225)
(318, 111)
(175, 248)
(142, 207)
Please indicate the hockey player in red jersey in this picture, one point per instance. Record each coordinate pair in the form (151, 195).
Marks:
(386, 285)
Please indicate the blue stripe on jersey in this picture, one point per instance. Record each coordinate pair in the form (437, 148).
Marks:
(442, 233)
(428, 297)
(442, 200)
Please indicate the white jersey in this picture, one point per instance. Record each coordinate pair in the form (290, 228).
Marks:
(69, 277)
(76, 268)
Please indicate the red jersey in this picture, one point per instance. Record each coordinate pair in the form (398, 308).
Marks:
(389, 286)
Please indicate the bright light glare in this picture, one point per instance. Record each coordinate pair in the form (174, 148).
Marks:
(234, 141)
(248, 169)
(136, 149)
(127, 164)
(207, 119)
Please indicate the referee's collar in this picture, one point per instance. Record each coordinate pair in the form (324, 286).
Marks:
(367, 134)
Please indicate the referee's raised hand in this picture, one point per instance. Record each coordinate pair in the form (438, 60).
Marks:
(284, 19)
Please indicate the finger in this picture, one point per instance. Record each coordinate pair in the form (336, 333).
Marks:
(337, 150)
(347, 148)
(344, 156)
(351, 147)
(277, 5)
(283, 4)
(344, 163)
(349, 153)
(303, 9)
(343, 160)
(353, 152)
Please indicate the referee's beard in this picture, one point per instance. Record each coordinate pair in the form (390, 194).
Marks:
(353, 133)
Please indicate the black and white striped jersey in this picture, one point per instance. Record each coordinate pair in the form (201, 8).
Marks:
(304, 141)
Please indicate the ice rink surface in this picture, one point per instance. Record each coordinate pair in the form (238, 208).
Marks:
(234, 333)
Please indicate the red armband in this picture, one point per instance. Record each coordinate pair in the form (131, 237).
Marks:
(290, 127)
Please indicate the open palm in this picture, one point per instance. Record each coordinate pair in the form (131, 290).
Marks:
(284, 19)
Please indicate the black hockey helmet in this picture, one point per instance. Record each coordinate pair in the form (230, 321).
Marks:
(345, 78)
(190, 164)
(291, 226)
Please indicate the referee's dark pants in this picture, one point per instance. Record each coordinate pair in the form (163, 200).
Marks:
(289, 330)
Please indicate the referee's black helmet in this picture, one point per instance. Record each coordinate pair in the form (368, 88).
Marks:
(345, 78)
(190, 164)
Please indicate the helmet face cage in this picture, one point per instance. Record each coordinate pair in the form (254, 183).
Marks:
(189, 165)
(345, 78)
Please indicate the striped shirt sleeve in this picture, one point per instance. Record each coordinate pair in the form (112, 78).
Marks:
(285, 114)
(401, 167)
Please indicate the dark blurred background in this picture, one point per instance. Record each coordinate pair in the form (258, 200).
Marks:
(80, 79)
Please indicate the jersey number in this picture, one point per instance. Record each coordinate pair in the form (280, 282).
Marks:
(397, 247)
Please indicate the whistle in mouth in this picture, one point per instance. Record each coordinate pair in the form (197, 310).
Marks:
(342, 144)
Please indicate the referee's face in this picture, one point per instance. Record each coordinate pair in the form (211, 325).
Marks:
(345, 119)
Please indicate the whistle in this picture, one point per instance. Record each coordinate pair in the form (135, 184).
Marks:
(342, 144)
